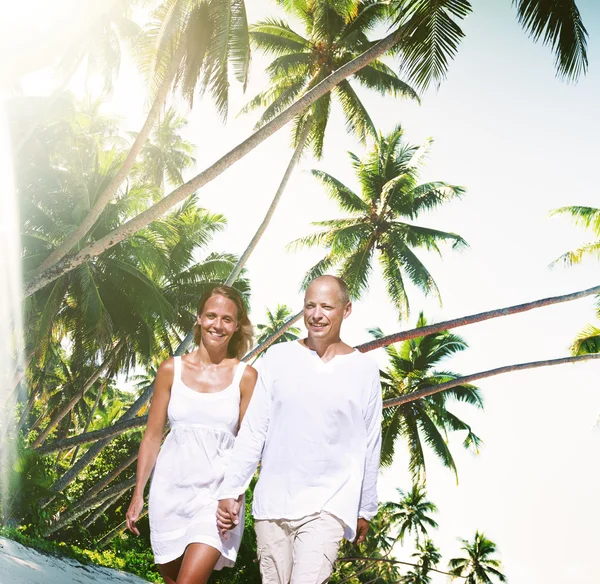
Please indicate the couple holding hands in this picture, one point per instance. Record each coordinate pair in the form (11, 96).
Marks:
(311, 416)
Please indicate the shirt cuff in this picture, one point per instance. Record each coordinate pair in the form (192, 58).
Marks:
(366, 515)
(229, 495)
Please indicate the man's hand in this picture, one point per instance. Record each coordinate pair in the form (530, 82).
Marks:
(361, 530)
(228, 515)
(135, 508)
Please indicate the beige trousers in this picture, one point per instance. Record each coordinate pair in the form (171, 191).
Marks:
(298, 551)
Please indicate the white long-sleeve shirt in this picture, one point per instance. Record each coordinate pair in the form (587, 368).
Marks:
(317, 427)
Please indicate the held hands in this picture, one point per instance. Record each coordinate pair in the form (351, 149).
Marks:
(361, 530)
(228, 515)
(135, 508)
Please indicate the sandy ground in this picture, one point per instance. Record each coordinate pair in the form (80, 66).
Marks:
(23, 565)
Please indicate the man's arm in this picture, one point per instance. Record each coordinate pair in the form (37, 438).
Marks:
(249, 443)
(368, 499)
(245, 456)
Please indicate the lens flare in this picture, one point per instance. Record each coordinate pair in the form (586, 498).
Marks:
(11, 331)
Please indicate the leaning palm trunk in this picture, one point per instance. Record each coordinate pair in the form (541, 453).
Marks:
(100, 486)
(60, 485)
(118, 529)
(76, 398)
(99, 511)
(109, 192)
(107, 433)
(26, 410)
(71, 261)
(271, 211)
(125, 424)
(73, 514)
(432, 389)
(474, 318)
(268, 342)
(89, 420)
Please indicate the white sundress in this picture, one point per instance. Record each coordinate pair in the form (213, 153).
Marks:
(189, 470)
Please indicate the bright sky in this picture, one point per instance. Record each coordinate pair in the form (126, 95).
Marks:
(522, 143)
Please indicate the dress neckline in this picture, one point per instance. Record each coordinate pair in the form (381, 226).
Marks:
(178, 370)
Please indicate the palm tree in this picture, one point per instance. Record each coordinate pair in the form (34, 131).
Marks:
(588, 218)
(556, 24)
(412, 512)
(166, 154)
(428, 557)
(334, 34)
(428, 420)
(275, 320)
(190, 45)
(376, 221)
(588, 340)
(478, 567)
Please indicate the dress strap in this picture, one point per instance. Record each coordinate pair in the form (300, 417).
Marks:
(239, 371)
(177, 369)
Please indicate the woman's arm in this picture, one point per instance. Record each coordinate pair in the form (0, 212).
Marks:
(247, 384)
(150, 446)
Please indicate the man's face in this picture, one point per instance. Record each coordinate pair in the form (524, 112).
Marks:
(324, 310)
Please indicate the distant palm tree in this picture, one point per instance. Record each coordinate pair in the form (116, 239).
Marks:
(427, 556)
(589, 218)
(479, 567)
(588, 340)
(379, 221)
(411, 514)
(275, 321)
(427, 421)
(166, 154)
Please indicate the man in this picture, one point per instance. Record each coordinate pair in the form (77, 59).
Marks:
(315, 420)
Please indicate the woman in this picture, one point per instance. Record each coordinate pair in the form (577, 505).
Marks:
(205, 395)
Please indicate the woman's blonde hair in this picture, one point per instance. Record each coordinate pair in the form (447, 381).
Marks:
(241, 341)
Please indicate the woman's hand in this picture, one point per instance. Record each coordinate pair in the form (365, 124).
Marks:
(135, 508)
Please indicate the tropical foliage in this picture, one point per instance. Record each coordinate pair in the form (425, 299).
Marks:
(478, 566)
(428, 421)
(379, 222)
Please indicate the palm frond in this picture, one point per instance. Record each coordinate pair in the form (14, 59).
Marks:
(433, 38)
(557, 23)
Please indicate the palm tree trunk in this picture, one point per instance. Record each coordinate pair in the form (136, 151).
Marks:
(114, 532)
(40, 418)
(268, 342)
(389, 561)
(99, 511)
(109, 478)
(128, 422)
(270, 212)
(109, 192)
(73, 514)
(473, 318)
(60, 485)
(71, 261)
(26, 411)
(75, 399)
(427, 391)
(90, 418)
(109, 433)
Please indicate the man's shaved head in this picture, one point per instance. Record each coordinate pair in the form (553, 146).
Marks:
(341, 285)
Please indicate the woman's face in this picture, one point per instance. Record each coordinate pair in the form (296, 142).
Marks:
(218, 321)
